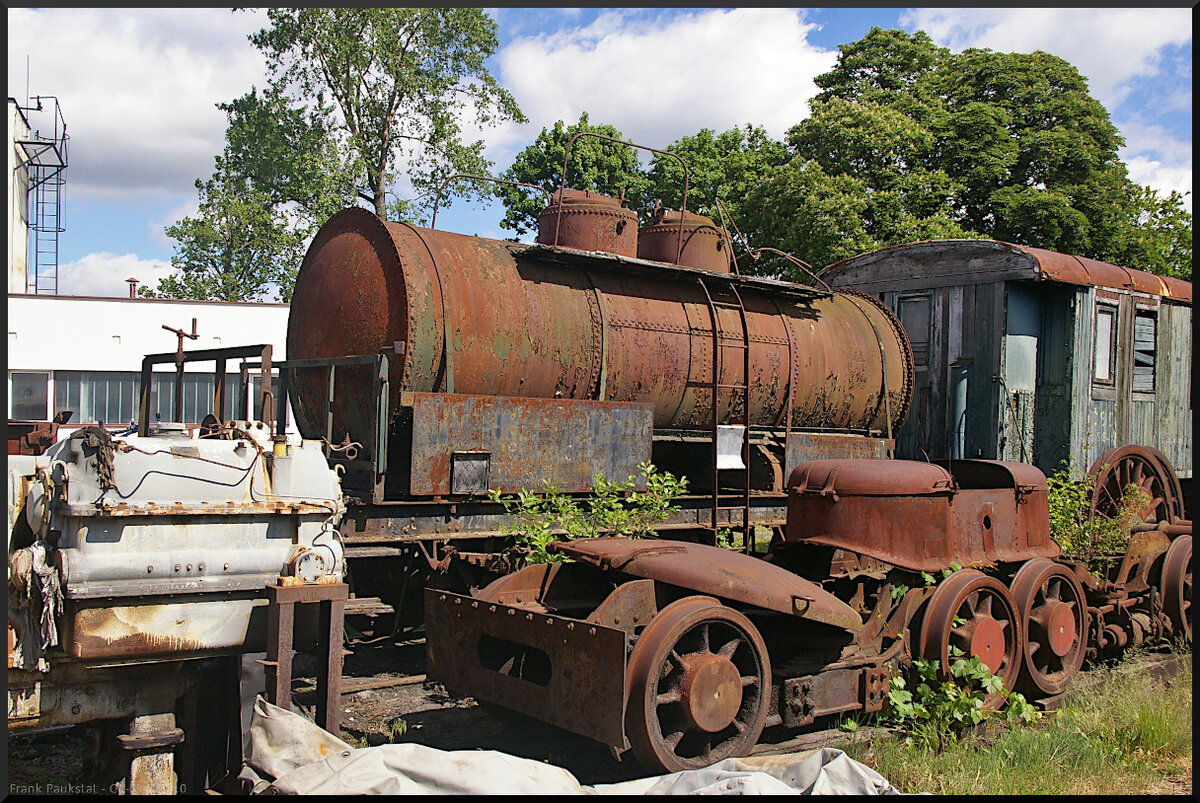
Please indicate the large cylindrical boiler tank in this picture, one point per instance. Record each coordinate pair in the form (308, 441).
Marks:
(462, 314)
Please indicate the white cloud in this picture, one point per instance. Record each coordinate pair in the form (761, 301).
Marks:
(1157, 158)
(105, 274)
(137, 88)
(1162, 177)
(659, 78)
(1109, 46)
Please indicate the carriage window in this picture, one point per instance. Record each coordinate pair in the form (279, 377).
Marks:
(1145, 341)
(914, 317)
(1105, 363)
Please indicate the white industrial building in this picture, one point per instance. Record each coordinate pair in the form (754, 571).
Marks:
(84, 354)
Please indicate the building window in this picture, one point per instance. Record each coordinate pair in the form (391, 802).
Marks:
(1104, 366)
(1145, 342)
(28, 395)
(111, 397)
(97, 397)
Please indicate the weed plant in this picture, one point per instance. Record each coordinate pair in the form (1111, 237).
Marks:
(1092, 540)
(1126, 734)
(613, 508)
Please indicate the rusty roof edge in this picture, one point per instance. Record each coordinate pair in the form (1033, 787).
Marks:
(605, 259)
(1052, 265)
(1104, 274)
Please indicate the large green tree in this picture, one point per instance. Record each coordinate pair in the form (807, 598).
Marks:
(978, 144)
(726, 166)
(356, 96)
(392, 84)
(238, 247)
(288, 152)
(595, 163)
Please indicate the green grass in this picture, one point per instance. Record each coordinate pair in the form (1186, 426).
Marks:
(1127, 734)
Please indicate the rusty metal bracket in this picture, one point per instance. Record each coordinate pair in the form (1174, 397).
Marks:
(151, 741)
(280, 624)
(219, 356)
(875, 684)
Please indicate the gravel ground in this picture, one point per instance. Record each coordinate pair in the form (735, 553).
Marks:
(393, 703)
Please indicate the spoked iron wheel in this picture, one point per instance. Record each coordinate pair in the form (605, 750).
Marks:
(1117, 469)
(698, 683)
(1175, 489)
(1177, 586)
(1053, 611)
(976, 614)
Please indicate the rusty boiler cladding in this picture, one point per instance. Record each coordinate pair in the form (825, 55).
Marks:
(461, 314)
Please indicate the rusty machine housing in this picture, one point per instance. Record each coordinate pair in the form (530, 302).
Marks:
(140, 571)
(684, 653)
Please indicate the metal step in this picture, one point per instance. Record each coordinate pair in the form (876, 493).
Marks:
(367, 606)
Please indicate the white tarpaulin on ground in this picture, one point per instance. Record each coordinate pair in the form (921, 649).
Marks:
(287, 754)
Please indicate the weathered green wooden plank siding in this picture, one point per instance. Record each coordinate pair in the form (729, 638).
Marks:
(1074, 418)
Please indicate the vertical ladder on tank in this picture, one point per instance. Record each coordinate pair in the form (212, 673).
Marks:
(726, 296)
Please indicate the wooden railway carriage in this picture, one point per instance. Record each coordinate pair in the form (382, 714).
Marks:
(1031, 355)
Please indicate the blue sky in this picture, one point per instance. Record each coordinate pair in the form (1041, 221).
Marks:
(138, 89)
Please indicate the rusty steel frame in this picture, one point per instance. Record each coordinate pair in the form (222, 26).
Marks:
(571, 690)
(266, 409)
(331, 600)
(374, 462)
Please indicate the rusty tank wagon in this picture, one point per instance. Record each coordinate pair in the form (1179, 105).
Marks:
(438, 367)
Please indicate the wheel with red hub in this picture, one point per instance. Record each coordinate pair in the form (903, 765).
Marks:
(1145, 469)
(1177, 586)
(975, 614)
(699, 686)
(1053, 613)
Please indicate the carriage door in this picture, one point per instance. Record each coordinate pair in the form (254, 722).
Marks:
(1055, 376)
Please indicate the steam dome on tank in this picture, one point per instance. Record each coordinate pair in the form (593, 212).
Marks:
(704, 246)
(588, 221)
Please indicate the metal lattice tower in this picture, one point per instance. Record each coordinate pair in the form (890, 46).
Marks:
(46, 159)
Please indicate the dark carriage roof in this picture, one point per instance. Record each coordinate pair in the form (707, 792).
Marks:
(944, 262)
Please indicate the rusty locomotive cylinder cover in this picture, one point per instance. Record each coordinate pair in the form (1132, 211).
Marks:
(469, 315)
(919, 515)
(588, 221)
(705, 247)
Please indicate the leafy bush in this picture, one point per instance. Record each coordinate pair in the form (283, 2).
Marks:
(936, 713)
(1079, 535)
(613, 508)
(1069, 500)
